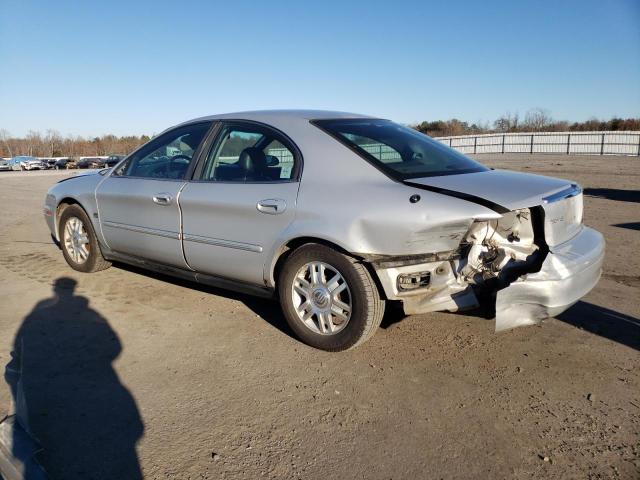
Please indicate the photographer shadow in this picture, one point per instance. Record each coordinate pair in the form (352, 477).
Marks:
(67, 394)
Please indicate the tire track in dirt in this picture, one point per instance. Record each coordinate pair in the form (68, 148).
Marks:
(628, 280)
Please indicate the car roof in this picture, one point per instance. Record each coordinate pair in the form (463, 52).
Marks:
(264, 115)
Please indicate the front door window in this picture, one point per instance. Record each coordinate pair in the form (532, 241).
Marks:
(168, 156)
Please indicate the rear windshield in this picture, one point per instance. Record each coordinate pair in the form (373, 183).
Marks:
(399, 151)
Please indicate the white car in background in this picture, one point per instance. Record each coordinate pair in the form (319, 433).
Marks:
(27, 163)
(4, 165)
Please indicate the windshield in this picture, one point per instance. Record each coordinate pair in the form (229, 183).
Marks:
(399, 151)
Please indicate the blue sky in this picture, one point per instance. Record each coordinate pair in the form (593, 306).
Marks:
(131, 67)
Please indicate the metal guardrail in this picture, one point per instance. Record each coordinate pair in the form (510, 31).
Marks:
(576, 143)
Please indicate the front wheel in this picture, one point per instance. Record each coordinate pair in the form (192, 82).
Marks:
(78, 241)
(329, 299)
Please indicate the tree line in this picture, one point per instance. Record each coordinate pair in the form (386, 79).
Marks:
(52, 144)
(535, 120)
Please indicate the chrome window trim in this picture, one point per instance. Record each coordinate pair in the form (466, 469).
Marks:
(149, 178)
(239, 182)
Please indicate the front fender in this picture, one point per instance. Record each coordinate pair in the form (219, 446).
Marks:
(79, 190)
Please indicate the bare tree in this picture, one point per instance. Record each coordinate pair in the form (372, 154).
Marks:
(507, 123)
(34, 143)
(54, 142)
(5, 136)
(537, 119)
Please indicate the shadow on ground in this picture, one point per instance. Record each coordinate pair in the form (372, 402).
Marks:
(268, 309)
(600, 321)
(614, 194)
(630, 225)
(67, 393)
(606, 323)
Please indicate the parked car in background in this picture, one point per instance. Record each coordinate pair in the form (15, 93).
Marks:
(61, 163)
(48, 161)
(4, 165)
(90, 162)
(97, 162)
(113, 160)
(14, 163)
(336, 214)
(83, 162)
(27, 163)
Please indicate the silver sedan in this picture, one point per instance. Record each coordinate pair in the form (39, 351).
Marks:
(336, 214)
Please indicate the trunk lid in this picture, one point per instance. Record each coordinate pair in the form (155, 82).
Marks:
(511, 190)
(503, 191)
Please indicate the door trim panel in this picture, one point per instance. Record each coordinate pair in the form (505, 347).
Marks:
(218, 242)
(137, 229)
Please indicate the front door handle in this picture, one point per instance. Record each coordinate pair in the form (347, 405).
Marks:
(272, 206)
(162, 199)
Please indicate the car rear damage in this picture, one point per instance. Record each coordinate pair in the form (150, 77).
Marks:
(528, 263)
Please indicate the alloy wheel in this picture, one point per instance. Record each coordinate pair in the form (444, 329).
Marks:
(76, 240)
(321, 298)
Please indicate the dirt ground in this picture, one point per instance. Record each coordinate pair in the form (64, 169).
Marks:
(128, 373)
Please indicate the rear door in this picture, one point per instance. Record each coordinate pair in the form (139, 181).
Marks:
(242, 196)
(138, 202)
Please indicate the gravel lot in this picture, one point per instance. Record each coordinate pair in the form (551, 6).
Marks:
(134, 374)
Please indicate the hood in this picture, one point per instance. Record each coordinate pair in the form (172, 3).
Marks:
(500, 190)
(81, 174)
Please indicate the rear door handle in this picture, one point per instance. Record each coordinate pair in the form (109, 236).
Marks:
(162, 199)
(272, 206)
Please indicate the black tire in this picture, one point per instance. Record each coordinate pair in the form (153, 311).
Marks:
(95, 261)
(367, 308)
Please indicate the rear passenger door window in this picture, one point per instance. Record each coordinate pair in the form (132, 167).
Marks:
(249, 154)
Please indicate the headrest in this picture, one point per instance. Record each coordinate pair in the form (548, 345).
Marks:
(252, 160)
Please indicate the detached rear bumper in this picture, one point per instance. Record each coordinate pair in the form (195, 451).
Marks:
(568, 273)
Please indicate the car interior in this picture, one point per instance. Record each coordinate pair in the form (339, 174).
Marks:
(252, 163)
(239, 155)
(168, 160)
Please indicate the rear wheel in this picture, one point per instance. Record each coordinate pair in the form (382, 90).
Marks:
(78, 241)
(329, 299)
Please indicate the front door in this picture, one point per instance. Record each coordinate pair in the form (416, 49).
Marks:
(138, 202)
(242, 197)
